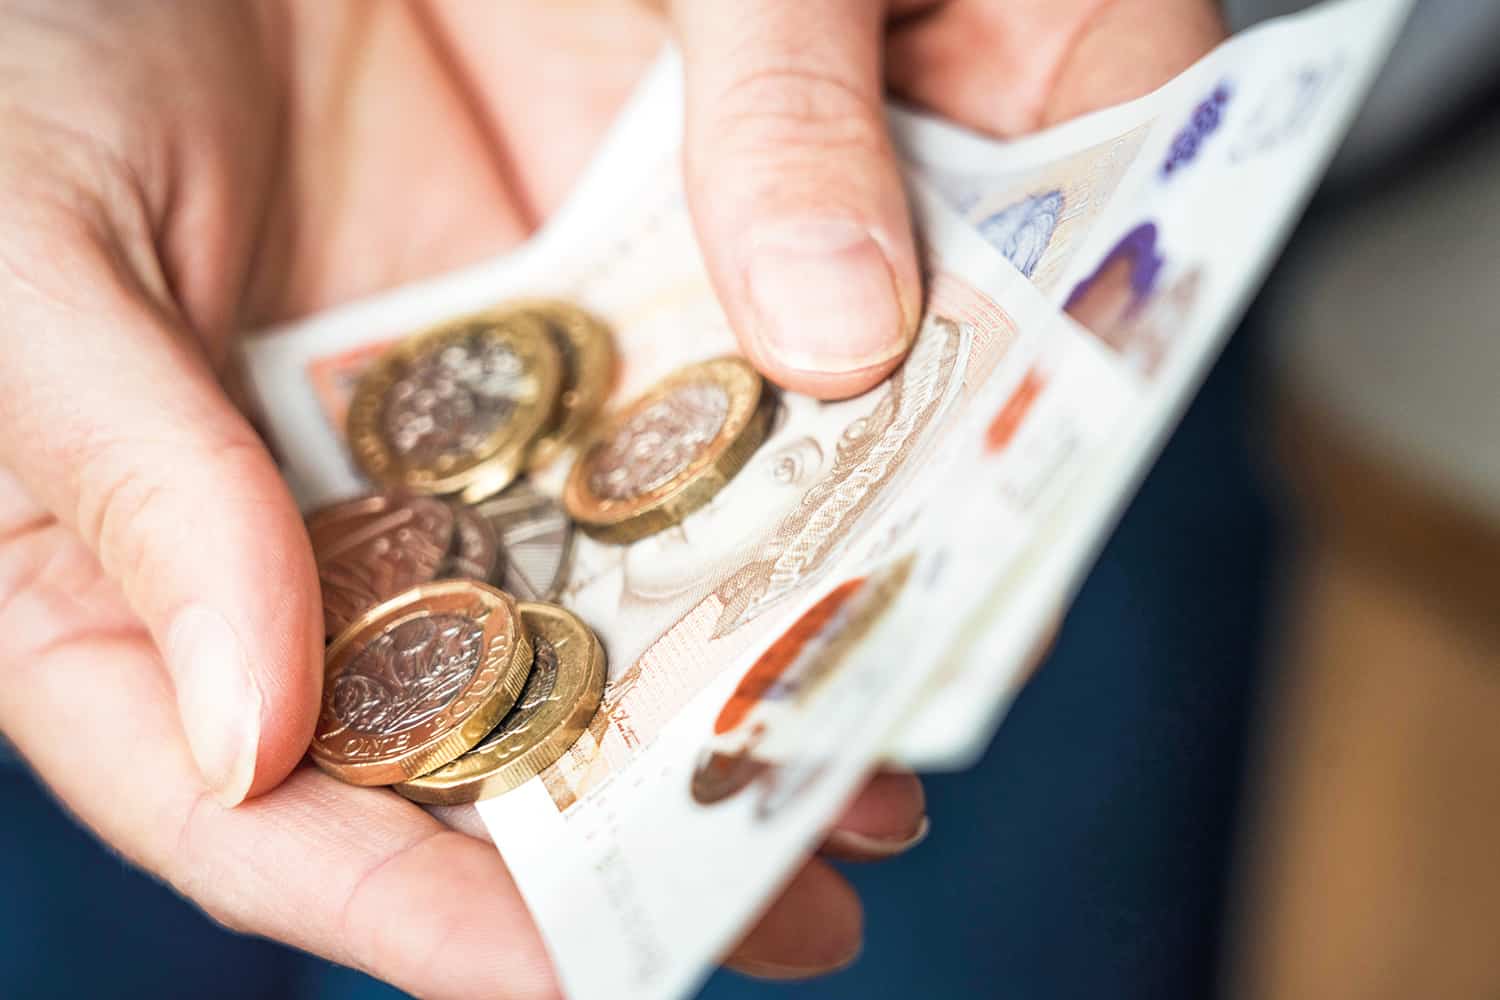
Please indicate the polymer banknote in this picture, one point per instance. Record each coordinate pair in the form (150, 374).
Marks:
(874, 583)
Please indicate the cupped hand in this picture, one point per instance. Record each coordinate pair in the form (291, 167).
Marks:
(173, 173)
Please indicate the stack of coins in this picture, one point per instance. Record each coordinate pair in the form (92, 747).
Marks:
(453, 691)
(449, 673)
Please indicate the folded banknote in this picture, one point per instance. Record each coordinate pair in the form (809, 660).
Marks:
(875, 581)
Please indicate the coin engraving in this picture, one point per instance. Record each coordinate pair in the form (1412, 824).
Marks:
(456, 408)
(658, 444)
(372, 548)
(476, 548)
(670, 451)
(451, 400)
(416, 681)
(552, 711)
(408, 675)
(541, 684)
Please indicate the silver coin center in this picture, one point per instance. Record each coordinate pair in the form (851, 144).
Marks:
(658, 444)
(450, 400)
(409, 674)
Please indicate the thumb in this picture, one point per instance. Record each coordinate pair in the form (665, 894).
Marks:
(794, 188)
(113, 420)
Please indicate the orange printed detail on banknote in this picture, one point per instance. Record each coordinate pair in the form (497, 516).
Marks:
(1003, 428)
(333, 379)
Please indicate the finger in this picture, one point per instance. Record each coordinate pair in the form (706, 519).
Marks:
(1042, 650)
(889, 817)
(794, 189)
(1012, 67)
(114, 422)
(814, 927)
(1130, 49)
(356, 875)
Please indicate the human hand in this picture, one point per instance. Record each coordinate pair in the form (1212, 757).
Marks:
(173, 173)
(795, 191)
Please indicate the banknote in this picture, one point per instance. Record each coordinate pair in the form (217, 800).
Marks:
(607, 843)
(1221, 162)
(872, 582)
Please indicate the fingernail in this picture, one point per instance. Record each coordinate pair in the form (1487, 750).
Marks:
(825, 295)
(858, 846)
(781, 971)
(218, 700)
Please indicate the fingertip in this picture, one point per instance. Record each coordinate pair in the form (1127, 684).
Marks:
(887, 818)
(245, 651)
(825, 385)
(829, 308)
(218, 700)
(292, 686)
(795, 191)
(815, 927)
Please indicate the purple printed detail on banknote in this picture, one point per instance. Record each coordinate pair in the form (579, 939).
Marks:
(1023, 230)
(1206, 119)
(1122, 283)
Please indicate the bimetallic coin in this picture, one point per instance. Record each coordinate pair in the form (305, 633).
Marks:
(560, 698)
(536, 542)
(372, 548)
(475, 553)
(666, 454)
(416, 681)
(588, 356)
(455, 410)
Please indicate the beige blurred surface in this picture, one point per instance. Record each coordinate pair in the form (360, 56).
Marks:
(1372, 866)
(1371, 860)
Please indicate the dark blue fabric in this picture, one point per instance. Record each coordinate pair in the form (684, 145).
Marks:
(1083, 857)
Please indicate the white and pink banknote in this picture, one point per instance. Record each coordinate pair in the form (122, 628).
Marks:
(873, 584)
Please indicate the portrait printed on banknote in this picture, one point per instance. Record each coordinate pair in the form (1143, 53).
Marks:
(1038, 217)
(677, 603)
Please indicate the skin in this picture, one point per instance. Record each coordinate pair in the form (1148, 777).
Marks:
(172, 174)
(1104, 307)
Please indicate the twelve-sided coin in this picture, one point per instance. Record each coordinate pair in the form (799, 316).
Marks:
(456, 409)
(667, 453)
(560, 697)
(418, 680)
(588, 356)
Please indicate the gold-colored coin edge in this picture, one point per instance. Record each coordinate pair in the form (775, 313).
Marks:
(585, 387)
(456, 741)
(745, 427)
(497, 462)
(480, 774)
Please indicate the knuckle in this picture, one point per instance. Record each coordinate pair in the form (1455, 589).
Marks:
(787, 110)
(69, 197)
(132, 493)
(117, 497)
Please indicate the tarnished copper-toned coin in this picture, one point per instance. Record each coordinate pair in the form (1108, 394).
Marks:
(536, 542)
(475, 553)
(418, 680)
(371, 548)
(455, 409)
(667, 453)
(561, 696)
(588, 357)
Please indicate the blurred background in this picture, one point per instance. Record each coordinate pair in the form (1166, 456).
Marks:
(1261, 761)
